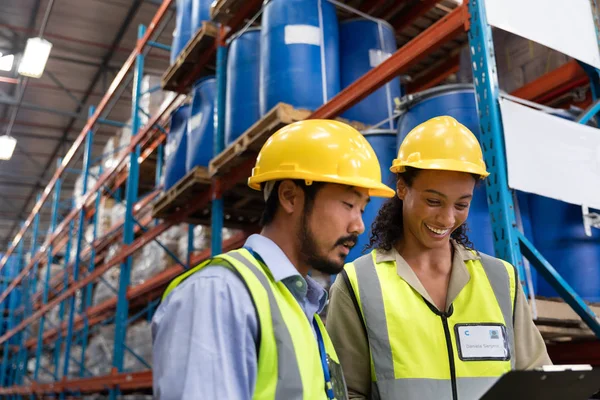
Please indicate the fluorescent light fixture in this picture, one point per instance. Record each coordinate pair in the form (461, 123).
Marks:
(7, 146)
(6, 62)
(35, 57)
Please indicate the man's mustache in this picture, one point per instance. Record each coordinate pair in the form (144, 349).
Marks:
(350, 239)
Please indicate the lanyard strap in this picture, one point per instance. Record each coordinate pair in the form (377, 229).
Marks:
(328, 384)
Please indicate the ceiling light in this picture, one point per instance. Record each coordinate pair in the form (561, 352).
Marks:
(35, 57)
(7, 146)
(6, 62)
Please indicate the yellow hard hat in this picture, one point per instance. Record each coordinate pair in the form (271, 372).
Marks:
(320, 151)
(441, 143)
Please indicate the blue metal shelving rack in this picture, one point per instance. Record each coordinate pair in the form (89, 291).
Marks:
(509, 242)
(78, 325)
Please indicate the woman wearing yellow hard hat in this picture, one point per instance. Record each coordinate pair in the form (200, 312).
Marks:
(245, 325)
(424, 315)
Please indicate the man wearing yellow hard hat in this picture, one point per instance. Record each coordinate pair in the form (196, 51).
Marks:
(424, 315)
(244, 325)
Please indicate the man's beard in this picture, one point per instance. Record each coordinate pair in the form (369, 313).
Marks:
(309, 250)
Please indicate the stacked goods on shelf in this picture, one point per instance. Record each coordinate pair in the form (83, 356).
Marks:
(176, 148)
(189, 18)
(299, 62)
(154, 258)
(91, 182)
(74, 362)
(243, 72)
(200, 127)
(109, 154)
(183, 27)
(48, 366)
(53, 316)
(519, 61)
(100, 349)
(364, 44)
(108, 285)
(105, 219)
(151, 99)
(123, 139)
(201, 241)
(118, 212)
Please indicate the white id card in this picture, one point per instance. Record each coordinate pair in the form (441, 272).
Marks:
(482, 342)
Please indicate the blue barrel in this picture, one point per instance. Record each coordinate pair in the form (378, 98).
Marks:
(384, 144)
(176, 148)
(200, 12)
(242, 106)
(299, 62)
(364, 44)
(200, 127)
(457, 101)
(183, 27)
(560, 237)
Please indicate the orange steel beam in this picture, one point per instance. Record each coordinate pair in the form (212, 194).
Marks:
(553, 84)
(415, 50)
(126, 381)
(118, 81)
(435, 76)
(412, 13)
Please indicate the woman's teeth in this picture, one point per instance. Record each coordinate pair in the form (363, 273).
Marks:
(437, 231)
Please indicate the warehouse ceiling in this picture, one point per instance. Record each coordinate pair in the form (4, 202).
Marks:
(91, 40)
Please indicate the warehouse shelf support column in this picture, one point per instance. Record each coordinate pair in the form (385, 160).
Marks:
(499, 195)
(22, 354)
(46, 278)
(509, 242)
(61, 307)
(78, 250)
(219, 145)
(86, 299)
(128, 225)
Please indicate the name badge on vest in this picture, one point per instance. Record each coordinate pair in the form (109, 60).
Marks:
(482, 342)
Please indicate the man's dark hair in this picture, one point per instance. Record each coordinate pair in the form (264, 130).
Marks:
(388, 226)
(272, 204)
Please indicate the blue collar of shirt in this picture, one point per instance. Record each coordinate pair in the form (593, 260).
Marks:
(282, 268)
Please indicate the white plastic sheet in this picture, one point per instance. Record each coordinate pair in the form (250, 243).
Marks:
(551, 156)
(565, 26)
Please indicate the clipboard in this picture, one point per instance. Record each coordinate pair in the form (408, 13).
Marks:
(575, 382)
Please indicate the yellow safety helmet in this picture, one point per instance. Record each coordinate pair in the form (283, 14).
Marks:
(320, 151)
(441, 143)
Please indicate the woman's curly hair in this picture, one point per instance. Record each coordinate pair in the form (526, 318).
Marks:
(388, 226)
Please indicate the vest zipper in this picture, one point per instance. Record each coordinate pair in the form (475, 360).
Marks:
(450, 356)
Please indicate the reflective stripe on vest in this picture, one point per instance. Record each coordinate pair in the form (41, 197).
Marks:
(289, 365)
(410, 347)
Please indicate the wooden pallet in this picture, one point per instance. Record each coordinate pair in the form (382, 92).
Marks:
(222, 11)
(250, 142)
(185, 67)
(242, 205)
(557, 322)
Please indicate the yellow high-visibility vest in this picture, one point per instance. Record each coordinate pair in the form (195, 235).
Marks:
(289, 361)
(416, 350)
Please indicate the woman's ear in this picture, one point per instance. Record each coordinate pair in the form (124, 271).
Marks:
(401, 188)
